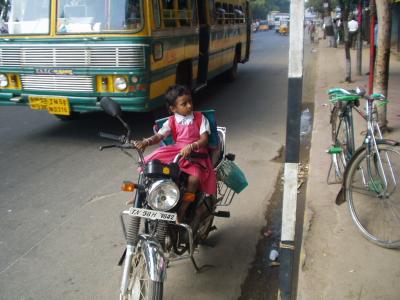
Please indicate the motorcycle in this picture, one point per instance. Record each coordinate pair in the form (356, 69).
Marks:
(153, 236)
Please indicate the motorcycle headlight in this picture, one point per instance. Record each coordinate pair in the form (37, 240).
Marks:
(3, 80)
(163, 195)
(120, 83)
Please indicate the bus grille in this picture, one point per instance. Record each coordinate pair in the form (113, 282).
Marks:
(73, 56)
(70, 83)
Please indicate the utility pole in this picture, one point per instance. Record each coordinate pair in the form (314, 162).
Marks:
(292, 148)
(372, 49)
(359, 36)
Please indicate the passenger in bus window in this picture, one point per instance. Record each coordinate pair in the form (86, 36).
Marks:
(133, 19)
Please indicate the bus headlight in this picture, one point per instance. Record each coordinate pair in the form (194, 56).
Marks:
(163, 195)
(3, 80)
(120, 83)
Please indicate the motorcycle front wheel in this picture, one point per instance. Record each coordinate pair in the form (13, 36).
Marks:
(141, 287)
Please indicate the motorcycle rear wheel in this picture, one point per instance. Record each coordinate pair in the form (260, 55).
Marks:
(141, 287)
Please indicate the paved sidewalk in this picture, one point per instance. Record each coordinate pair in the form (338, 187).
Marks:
(336, 261)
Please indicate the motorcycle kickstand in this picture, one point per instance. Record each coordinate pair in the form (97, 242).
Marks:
(199, 269)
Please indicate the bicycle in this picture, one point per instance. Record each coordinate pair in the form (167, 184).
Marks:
(342, 128)
(342, 132)
(370, 181)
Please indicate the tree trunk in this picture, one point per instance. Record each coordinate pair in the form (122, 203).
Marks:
(381, 76)
(345, 7)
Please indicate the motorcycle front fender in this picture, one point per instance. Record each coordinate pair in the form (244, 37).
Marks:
(154, 257)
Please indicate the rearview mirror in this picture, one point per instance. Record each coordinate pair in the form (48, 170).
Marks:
(110, 107)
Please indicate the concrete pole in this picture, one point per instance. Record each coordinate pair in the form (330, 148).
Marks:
(359, 37)
(292, 149)
(372, 47)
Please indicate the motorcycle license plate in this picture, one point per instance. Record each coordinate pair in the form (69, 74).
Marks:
(152, 214)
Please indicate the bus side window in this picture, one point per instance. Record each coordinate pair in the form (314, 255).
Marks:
(168, 13)
(184, 13)
(239, 16)
(226, 13)
(156, 13)
(211, 9)
(195, 20)
(231, 17)
(220, 12)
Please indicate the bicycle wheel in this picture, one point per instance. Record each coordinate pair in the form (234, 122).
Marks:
(373, 194)
(342, 141)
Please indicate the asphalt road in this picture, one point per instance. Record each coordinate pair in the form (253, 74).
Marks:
(60, 235)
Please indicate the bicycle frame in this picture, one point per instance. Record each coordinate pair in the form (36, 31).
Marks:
(371, 148)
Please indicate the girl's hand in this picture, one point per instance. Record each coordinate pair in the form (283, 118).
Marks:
(185, 152)
(141, 145)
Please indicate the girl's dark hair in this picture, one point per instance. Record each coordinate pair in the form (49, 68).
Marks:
(174, 92)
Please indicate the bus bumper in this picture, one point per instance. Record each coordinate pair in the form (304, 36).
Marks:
(85, 104)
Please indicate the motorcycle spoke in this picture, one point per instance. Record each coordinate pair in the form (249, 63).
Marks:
(139, 284)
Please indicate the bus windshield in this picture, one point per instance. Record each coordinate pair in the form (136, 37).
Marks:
(24, 17)
(99, 16)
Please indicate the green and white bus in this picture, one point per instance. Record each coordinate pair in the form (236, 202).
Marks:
(64, 55)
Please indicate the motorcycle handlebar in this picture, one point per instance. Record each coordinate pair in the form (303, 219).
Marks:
(192, 155)
(113, 137)
(177, 158)
(101, 148)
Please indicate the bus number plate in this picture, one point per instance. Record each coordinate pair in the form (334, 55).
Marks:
(54, 105)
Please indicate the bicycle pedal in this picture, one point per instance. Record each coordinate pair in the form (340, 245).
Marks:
(334, 150)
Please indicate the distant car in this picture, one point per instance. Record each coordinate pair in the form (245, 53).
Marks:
(263, 26)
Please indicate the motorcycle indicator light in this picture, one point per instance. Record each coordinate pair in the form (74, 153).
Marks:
(128, 186)
(166, 171)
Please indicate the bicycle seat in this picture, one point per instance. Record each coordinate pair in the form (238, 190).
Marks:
(340, 91)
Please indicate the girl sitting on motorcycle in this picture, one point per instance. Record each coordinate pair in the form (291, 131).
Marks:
(190, 131)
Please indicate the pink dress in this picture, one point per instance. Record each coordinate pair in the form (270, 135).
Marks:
(187, 134)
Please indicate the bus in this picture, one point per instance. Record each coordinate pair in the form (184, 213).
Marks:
(63, 56)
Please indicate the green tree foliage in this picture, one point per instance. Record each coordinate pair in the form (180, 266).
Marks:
(260, 8)
(318, 5)
(281, 5)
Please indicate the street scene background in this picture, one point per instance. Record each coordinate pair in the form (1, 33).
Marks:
(60, 233)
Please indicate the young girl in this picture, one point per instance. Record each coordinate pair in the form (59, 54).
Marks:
(189, 136)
